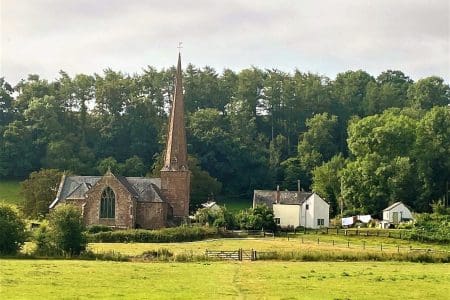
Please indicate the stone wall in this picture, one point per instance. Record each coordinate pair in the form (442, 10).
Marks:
(151, 215)
(125, 206)
(175, 187)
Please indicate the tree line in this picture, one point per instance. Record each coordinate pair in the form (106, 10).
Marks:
(360, 141)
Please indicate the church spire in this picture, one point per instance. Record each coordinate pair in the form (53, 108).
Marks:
(176, 149)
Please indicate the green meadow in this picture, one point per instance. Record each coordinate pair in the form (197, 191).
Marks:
(72, 279)
(300, 243)
(10, 192)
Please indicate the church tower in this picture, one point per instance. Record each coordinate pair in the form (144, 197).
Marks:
(175, 174)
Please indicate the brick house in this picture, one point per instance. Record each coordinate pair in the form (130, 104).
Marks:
(137, 202)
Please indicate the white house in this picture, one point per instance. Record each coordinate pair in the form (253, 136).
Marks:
(397, 213)
(295, 208)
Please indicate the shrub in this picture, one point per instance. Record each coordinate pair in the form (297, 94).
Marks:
(66, 230)
(260, 217)
(98, 228)
(12, 230)
(166, 235)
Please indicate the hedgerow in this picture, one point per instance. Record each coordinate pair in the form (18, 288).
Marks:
(166, 235)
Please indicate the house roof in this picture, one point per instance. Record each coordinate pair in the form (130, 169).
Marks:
(268, 197)
(395, 205)
(76, 187)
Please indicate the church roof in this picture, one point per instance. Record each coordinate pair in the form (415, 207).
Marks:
(76, 187)
(269, 198)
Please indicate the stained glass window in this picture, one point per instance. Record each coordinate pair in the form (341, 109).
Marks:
(108, 204)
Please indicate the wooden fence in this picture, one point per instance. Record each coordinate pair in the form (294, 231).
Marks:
(239, 254)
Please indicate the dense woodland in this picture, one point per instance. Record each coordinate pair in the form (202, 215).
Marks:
(360, 141)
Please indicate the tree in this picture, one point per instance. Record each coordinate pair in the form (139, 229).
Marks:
(39, 190)
(327, 181)
(66, 230)
(203, 186)
(260, 217)
(109, 163)
(318, 144)
(432, 152)
(429, 92)
(134, 166)
(18, 156)
(12, 230)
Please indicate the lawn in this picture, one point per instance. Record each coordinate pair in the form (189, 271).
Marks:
(234, 205)
(71, 279)
(10, 192)
(270, 244)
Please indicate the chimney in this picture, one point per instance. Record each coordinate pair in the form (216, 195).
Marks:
(298, 186)
(278, 194)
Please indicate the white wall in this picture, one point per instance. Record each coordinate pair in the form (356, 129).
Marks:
(318, 209)
(294, 215)
(289, 214)
(401, 209)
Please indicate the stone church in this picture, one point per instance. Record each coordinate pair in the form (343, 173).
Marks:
(138, 202)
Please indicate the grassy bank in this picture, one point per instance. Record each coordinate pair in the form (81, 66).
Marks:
(10, 192)
(31, 279)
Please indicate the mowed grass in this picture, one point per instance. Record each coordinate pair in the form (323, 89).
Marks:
(273, 244)
(10, 192)
(71, 279)
(235, 205)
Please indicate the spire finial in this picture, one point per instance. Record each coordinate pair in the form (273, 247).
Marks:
(180, 46)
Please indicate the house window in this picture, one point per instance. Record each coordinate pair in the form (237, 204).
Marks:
(307, 206)
(108, 204)
(277, 221)
(320, 222)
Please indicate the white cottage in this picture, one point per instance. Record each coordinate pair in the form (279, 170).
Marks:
(397, 213)
(293, 209)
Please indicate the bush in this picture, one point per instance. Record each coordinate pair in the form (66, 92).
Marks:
(66, 230)
(166, 235)
(260, 217)
(431, 228)
(98, 228)
(217, 216)
(12, 230)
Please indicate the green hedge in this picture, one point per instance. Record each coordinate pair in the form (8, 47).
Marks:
(166, 235)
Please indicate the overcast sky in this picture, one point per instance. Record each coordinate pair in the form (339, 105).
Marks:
(325, 37)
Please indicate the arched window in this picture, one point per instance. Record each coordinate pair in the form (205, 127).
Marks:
(108, 204)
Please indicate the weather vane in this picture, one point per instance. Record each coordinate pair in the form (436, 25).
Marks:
(180, 46)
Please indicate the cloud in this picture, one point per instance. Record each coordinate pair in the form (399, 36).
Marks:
(327, 37)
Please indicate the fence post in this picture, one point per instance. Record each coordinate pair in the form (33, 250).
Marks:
(337, 231)
(240, 254)
(327, 230)
(333, 243)
(398, 249)
(357, 232)
(389, 234)
(364, 245)
(381, 246)
(348, 243)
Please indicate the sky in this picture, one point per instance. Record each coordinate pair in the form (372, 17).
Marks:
(325, 37)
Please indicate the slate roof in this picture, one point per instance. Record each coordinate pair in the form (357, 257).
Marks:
(268, 197)
(76, 187)
(395, 205)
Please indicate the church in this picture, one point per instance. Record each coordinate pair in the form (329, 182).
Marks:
(138, 202)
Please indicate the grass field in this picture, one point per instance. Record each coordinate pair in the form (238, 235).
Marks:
(234, 205)
(270, 244)
(53, 279)
(10, 192)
